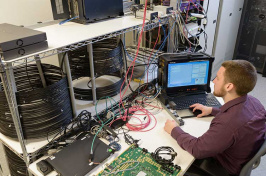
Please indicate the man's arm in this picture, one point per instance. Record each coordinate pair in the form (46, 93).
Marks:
(214, 141)
(215, 111)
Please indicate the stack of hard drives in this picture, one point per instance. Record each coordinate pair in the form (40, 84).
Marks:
(18, 41)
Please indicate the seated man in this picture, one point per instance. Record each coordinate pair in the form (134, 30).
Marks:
(238, 129)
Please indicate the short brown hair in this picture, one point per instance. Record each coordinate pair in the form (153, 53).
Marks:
(242, 74)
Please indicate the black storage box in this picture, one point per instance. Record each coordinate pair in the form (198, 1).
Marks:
(17, 41)
(87, 11)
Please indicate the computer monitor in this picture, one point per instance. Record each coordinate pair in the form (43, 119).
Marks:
(185, 72)
(188, 73)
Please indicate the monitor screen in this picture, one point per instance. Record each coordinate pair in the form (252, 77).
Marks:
(188, 73)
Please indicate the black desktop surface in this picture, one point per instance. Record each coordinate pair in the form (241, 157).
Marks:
(73, 160)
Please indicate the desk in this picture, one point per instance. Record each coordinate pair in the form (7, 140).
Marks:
(154, 139)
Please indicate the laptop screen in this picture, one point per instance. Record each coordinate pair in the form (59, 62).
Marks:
(188, 73)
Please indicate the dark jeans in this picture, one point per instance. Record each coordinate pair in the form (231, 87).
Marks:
(206, 167)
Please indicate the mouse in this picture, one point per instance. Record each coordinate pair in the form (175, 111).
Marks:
(196, 112)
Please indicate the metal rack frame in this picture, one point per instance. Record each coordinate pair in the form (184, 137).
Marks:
(8, 80)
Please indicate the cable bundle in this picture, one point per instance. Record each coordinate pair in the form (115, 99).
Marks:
(16, 165)
(136, 106)
(108, 60)
(142, 64)
(70, 132)
(107, 57)
(42, 110)
(161, 152)
(110, 90)
(143, 123)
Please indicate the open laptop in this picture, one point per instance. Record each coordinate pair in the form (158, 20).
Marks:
(73, 160)
(185, 79)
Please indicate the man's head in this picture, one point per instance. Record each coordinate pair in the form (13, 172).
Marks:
(235, 76)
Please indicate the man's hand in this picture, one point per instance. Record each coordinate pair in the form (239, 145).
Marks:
(170, 125)
(205, 109)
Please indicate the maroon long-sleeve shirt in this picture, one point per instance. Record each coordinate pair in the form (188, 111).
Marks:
(235, 134)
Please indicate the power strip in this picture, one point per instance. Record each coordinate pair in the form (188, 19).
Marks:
(163, 10)
(173, 114)
(193, 29)
(150, 15)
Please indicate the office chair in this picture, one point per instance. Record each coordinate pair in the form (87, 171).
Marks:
(254, 162)
(206, 166)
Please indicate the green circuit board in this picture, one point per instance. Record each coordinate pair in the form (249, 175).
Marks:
(137, 162)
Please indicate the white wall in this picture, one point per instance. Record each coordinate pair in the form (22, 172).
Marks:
(222, 36)
(210, 28)
(25, 12)
(227, 33)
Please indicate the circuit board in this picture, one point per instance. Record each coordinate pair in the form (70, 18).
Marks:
(138, 162)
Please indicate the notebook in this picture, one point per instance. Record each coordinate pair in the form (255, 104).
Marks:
(73, 160)
(187, 80)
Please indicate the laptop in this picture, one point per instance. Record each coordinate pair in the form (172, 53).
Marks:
(185, 79)
(73, 160)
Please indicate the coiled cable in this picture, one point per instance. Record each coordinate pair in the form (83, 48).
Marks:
(16, 165)
(43, 111)
(108, 60)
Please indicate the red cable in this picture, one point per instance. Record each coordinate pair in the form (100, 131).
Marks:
(187, 12)
(152, 53)
(150, 105)
(196, 5)
(139, 42)
(159, 32)
(140, 127)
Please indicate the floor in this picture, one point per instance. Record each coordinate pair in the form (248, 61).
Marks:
(259, 93)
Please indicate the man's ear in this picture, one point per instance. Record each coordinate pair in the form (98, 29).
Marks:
(229, 87)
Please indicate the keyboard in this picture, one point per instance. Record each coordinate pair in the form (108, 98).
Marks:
(183, 102)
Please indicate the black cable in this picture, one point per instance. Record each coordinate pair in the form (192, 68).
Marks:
(16, 165)
(144, 59)
(206, 41)
(207, 7)
(108, 60)
(160, 152)
(62, 61)
(110, 90)
(107, 57)
(41, 110)
(148, 88)
(27, 73)
(80, 124)
(125, 61)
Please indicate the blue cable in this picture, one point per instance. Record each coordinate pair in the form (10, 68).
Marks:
(129, 55)
(67, 20)
(160, 48)
(114, 145)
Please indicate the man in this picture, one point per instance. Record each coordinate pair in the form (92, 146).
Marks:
(238, 129)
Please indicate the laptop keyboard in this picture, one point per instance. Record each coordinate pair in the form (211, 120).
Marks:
(205, 99)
